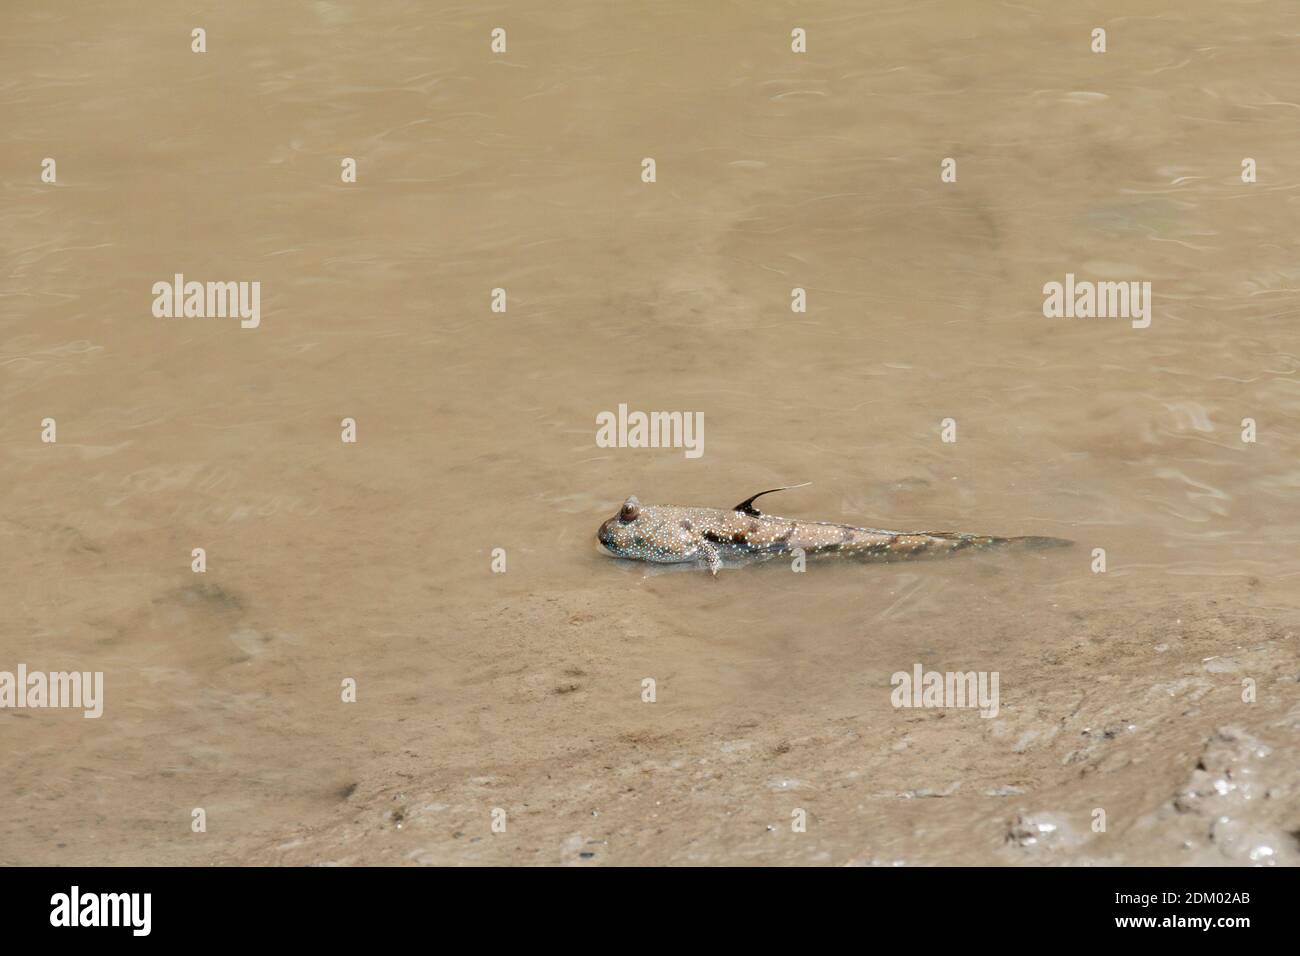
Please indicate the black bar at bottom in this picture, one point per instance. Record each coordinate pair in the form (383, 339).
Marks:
(329, 906)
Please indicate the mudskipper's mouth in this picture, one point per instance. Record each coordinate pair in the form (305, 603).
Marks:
(606, 541)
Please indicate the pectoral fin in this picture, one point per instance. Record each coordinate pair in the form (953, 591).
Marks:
(747, 506)
(712, 556)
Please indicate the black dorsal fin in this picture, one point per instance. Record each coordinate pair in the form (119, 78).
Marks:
(747, 506)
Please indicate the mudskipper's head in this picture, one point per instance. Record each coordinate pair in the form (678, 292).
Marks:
(647, 533)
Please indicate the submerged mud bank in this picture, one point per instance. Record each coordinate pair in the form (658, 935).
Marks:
(1115, 723)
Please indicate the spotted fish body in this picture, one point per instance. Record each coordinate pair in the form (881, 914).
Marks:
(667, 534)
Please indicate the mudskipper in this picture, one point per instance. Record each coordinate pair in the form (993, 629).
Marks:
(667, 534)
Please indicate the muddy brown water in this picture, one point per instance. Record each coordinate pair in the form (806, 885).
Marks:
(1120, 691)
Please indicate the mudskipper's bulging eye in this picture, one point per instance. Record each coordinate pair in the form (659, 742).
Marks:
(631, 508)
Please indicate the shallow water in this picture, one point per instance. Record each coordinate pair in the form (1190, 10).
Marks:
(476, 430)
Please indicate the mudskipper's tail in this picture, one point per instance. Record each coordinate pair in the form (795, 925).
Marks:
(938, 544)
(1033, 542)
